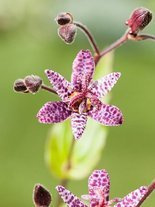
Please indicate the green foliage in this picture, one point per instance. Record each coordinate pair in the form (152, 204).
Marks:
(87, 151)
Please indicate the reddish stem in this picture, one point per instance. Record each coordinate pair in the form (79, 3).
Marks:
(116, 44)
(127, 36)
(48, 89)
(151, 188)
(89, 35)
(113, 46)
(145, 37)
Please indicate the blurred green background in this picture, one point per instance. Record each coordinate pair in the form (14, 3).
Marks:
(28, 45)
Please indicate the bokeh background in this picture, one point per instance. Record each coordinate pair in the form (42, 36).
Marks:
(28, 45)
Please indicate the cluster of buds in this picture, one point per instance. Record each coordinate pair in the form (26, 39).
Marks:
(41, 196)
(67, 29)
(138, 20)
(30, 84)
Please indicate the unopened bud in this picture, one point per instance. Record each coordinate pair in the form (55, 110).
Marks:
(19, 86)
(64, 18)
(33, 83)
(41, 196)
(68, 33)
(139, 19)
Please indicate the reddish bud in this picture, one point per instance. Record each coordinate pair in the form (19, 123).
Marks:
(64, 18)
(139, 19)
(68, 33)
(41, 196)
(33, 83)
(19, 86)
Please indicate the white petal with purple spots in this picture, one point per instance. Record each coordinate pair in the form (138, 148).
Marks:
(78, 122)
(133, 198)
(60, 84)
(83, 68)
(81, 97)
(69, 198)
(102, 86)
(99, 187)
(106, 114)
(53, 112)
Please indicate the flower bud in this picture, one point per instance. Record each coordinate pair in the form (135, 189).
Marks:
(68, 33)
(19, 86)
(33, 83)
(41, 196)
(139, 19)
(64, 18)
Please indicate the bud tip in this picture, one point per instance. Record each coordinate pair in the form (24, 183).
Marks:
(139, 19)
(64, 18)
(41, 196)
(19, 86)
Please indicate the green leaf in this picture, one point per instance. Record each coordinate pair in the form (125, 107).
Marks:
(87, 151)
(57, 149)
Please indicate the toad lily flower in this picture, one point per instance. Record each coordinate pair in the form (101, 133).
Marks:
(99, 187)
(81, 97)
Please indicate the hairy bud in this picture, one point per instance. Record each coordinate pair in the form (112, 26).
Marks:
(30, 84)
(64, 18)
(33, 83)
(19, 86)
(41, 196)
(139, 19)
(68, 33)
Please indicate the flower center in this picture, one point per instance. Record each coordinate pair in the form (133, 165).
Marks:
(79, 102)
(101, 198)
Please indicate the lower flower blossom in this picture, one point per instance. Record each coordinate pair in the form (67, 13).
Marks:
(82, 97)
(99, 187)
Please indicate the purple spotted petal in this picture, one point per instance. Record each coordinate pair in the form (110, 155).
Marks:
(53, 112)
(106, 114)
(70, 199)
(99, 187)
(60, 84)
(83, 68)
(78, 122)
(102, 86)
(133, 198)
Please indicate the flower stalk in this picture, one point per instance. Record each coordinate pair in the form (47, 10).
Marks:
(47, 88)
(127, 36)
(90, 37)
(143, 37)
(139, 19)
(115, 45)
